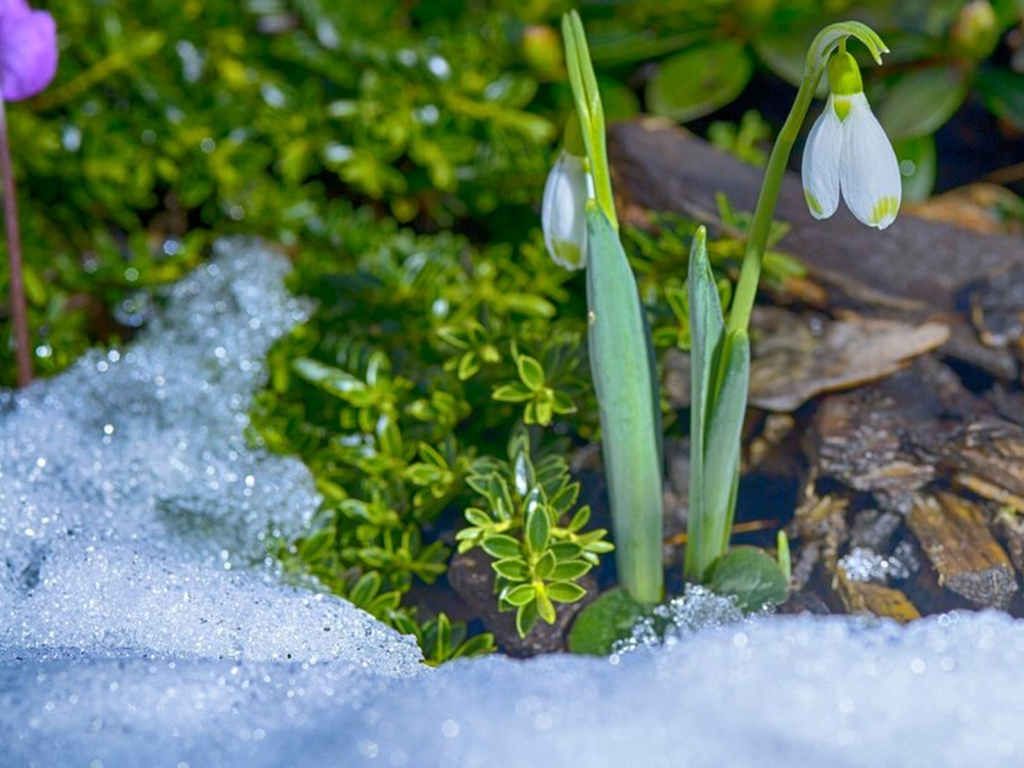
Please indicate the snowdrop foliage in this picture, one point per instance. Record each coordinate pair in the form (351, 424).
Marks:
(848, 152)
(563, 211)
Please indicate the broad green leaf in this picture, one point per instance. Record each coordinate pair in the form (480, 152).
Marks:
(752, 576)
(921, 101)
(621, 368)
(917, 166)
(1002, 91)
(698, 81)
(706, 328)
(609, 618)
(722, 441)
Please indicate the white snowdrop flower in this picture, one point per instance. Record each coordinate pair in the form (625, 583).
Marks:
(563, 211)
(847, 151)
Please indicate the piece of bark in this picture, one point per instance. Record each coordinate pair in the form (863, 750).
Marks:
(1011, 530)
(956, 540)
(472, 577)
(875, 599)
(988, 453)
(660, 167)
(796, 358)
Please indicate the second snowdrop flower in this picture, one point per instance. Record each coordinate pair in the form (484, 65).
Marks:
(848, 152)
(563, 210)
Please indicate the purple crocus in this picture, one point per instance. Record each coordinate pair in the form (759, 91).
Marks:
(28, 62)
(28, 50)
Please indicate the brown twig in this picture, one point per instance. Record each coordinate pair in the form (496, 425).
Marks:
(19, 312)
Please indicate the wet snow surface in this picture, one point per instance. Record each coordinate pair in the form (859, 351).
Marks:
(141, 622)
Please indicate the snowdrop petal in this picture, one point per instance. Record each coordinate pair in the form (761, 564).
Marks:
(820, 167)
(28, 50)
(869, 174)
(563, 211)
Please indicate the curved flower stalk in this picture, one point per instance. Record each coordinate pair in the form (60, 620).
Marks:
(28, 62)
(848, 152)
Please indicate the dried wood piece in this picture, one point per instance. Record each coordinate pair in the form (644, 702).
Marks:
(988, 453)
(796, 358)
(957, 542)
(858, 440)
(878, 600)
(980, 207)
(1010, 527)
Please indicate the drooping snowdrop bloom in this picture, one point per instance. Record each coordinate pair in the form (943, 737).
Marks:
(563, 214)
(848, 153)
(28, 50)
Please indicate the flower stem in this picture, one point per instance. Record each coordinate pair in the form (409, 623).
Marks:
(757, 240)
(19, 312)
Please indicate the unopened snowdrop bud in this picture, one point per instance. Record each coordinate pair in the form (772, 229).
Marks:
(563, 214)
(848, 152)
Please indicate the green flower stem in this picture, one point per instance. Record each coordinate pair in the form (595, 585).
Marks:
(720, 352)
(757, 241)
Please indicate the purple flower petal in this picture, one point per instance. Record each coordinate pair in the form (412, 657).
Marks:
(28, 50)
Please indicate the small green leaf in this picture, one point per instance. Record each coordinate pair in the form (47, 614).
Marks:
(512, 393)
(469, 365)
(512, 568)
(699, 80)
(537, 525)
(752, 576)
(531, 372)
(565, 592)
(543, 568)
(609, 618)
(570, 570)
(545, 608)
(365, 588)
(526, 617)
(501, 546)
(478, 517)
(580, 519)
(565, 550)
(520, 594)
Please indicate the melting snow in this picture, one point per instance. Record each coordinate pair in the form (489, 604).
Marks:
(141, 622)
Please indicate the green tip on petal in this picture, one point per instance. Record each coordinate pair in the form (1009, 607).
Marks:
(813, 203)
(883, 212)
